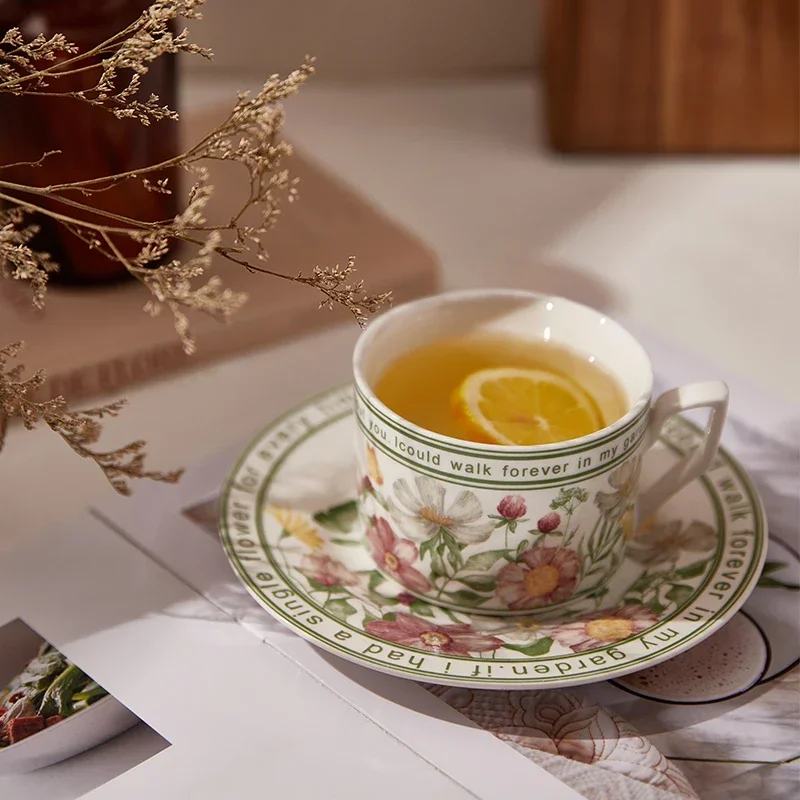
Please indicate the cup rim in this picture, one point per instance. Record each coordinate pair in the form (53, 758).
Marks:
(390, 317)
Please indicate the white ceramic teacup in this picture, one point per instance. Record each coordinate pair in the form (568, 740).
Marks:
(513, 529)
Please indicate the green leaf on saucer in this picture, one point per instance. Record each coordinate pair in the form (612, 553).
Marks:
(642, 584)
(479, 583)
(368, 618)
(539, 648)
(421, 608)
(347, 542)
(692, 570)
(318, 587)
(480, 562)
(390, 617)
(339, 608)
(772, 566)
(339, 518)
(463, 597)
(656, 607)
(679, 594)
(381, 600)
(375, 580)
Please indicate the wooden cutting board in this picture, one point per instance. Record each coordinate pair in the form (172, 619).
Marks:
(673, 76)
(99, 340)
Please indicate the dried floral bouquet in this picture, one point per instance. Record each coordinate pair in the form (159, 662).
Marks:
(249, 136)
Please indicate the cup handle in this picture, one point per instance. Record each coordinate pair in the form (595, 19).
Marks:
(710, 394)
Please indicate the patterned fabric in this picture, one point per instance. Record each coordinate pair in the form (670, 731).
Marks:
(561, 724)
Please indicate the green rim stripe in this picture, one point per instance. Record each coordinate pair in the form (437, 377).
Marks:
(508, 483)
(253, 587)
(471, 451)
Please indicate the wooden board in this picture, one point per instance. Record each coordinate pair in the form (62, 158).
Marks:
(99, 340)
(673, 76)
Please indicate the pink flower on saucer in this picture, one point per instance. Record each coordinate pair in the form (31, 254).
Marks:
(601, 628)
(546, 575)
(395, 556)
(327, 571)
(410, 631)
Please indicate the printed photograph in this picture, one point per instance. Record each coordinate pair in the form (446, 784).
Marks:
(205, 515)
(53, 715)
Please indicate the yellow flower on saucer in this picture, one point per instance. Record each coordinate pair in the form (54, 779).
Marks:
(295, 524)
(373, 468)
(627, 524)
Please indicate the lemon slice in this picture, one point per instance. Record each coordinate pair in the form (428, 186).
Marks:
(508, 405)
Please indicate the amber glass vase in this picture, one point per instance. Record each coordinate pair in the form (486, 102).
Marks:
(92, 141)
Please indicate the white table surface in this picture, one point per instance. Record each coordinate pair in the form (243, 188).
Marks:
(703, 252)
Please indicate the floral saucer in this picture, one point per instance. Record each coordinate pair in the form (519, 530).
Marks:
(291, 530)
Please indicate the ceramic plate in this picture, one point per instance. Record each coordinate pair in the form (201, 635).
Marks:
(291, 530)
(84, 729)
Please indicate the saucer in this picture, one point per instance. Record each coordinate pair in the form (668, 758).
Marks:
(291, 530)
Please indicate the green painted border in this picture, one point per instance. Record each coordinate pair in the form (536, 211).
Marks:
(510, 483)
(465, 450)
(709, 625)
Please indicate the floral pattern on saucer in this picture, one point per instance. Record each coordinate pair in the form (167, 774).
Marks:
(341, 577)
(314, 564)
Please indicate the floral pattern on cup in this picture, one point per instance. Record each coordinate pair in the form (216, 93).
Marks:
(374, 473)
(410, 631)
(539, 569)
(424, 514)
(624, 480)
(451, 530)
(549, 522)
(512, 508)
(542, 576)
(395, 556)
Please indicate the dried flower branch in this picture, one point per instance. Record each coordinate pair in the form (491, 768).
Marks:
(79, 429)
(133, 48)
(17, 259)
(249, 137)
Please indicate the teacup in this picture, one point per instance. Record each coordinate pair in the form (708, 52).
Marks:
(513, 529)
